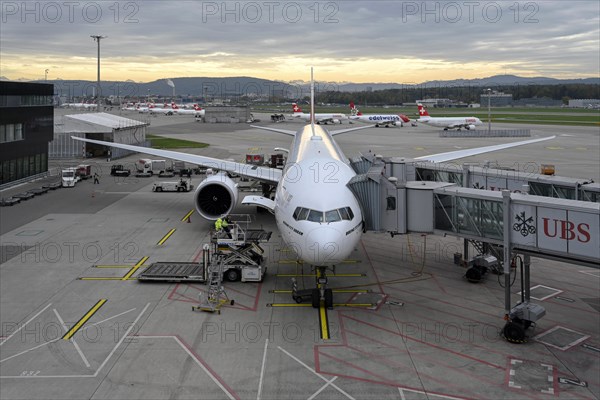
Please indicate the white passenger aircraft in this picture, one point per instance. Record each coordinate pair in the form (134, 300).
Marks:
(196, 110)
(86, 106)
(165, 109)
(447, 122)
(320, 118)
(318, 216)
(378, 119)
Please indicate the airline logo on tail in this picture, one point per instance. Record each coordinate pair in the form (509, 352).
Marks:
(353, 109)
(197, 108)
(422, 110)
(296, 108)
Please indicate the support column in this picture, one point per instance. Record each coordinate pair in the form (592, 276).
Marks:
(506, 261)
(527, 283)
(466, 176)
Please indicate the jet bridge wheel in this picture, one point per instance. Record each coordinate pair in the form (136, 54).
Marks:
(514, 331)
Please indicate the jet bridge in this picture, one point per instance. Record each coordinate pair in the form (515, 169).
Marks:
(395, 200)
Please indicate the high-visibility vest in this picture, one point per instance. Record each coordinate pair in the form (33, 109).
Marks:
(218, 224)
(224, 223)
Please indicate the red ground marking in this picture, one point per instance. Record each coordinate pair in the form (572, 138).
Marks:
(373, 268)
(343, 333)
(425, 358)
(383, 381)
(175, 295)
(424, 343)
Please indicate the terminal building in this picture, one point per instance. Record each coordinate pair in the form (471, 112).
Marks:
(227, 114)
(584, 103)
(496, 99)
(26, 121)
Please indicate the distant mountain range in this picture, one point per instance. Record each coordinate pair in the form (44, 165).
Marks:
(264, 89)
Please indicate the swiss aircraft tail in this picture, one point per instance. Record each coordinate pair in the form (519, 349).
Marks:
(353, 109)
(422, 110)
(404, 118)
(296, 108)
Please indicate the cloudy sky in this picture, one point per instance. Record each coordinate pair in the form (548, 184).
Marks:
(358, 41)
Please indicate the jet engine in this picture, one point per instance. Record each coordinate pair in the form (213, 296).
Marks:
(216, 196)
(469, 127)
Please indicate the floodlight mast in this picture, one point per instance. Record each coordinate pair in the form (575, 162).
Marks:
(97, 38)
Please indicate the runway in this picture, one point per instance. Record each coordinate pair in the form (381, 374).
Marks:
(76, 324)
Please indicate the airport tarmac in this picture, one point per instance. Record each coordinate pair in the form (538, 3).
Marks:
(411, 326)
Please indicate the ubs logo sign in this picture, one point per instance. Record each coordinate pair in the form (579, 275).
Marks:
(566, 230)
(524, 225)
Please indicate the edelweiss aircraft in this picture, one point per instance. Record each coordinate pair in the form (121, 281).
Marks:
(320, 118)
(318, 216)
(447, 122)
(377, 119)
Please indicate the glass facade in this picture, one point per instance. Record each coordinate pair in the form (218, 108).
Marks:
(26, 127)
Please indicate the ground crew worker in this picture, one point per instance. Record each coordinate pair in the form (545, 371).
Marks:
(225, 226)
(96, 181)
(218, 225)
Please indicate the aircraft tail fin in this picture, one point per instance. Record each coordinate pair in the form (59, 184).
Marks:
(422, 110)
(296, 108)
(354, 109)
(404, 118)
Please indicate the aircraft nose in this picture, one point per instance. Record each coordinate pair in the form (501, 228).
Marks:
(325, 246)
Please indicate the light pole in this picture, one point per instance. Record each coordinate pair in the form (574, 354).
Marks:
(489, 93)
(46, 75)
(97, 38)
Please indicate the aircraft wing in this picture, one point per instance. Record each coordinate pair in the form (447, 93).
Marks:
(284, 131)
(453, 155)
(272, 175)
(333, 133)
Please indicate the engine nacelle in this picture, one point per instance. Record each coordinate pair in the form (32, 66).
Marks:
(216, 196)
(336, 121)
(469, 127)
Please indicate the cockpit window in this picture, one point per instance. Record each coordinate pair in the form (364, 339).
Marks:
(296, 212)
(344, 213)
(301, 214)
(315, 216)
(332, 216)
